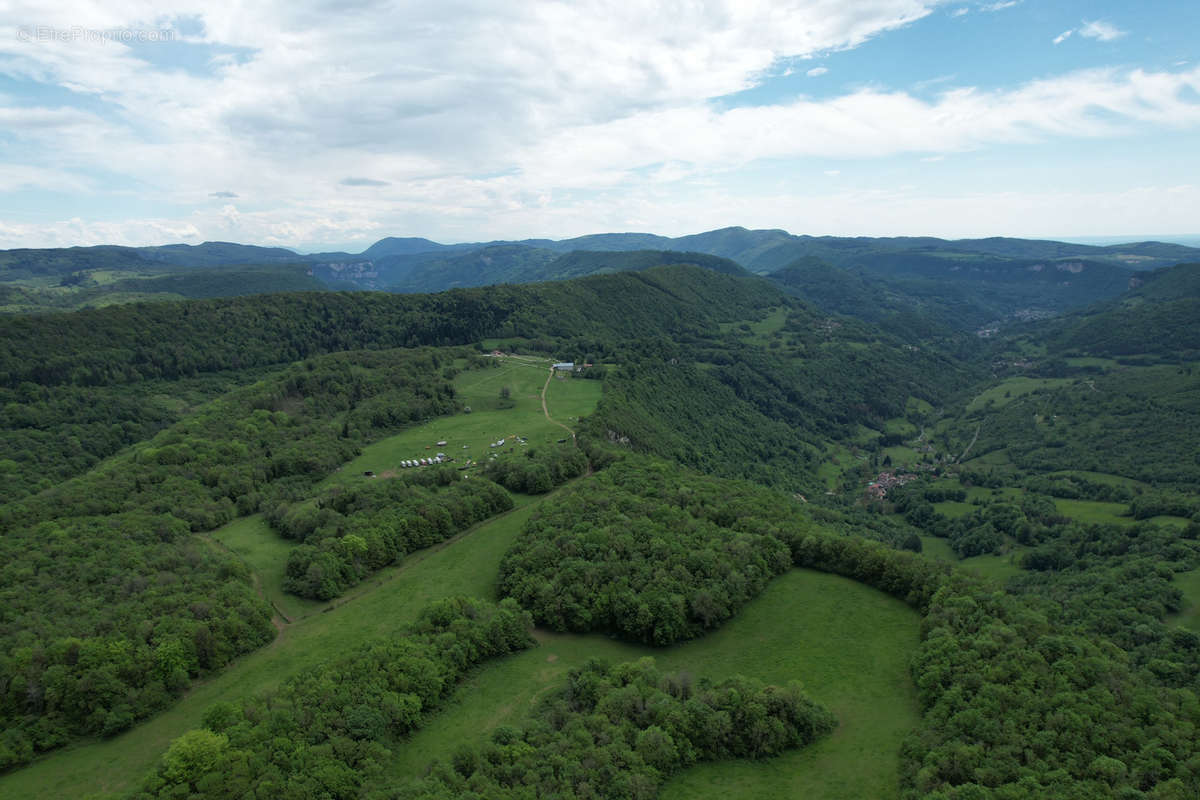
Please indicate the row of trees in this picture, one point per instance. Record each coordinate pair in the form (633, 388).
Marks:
(346, 534)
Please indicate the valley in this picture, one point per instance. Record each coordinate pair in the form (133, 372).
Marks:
(926, 530)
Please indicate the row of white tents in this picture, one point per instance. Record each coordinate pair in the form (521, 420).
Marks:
(424, 462)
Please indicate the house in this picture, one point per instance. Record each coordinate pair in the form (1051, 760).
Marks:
(565, 366)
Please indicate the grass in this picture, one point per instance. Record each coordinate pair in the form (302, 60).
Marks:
(901, 426)
(1189, 616)
(938, 549)
(916, 407)
(994, 458)
(1089, 361)
(1094, 511)
(1099, 477)
(469, 436)
(849, 644)
(997, 567)
(266, 552)
(953, 509)
(1008, 390)
(902, 455)
(1166, 519)
(759, 330)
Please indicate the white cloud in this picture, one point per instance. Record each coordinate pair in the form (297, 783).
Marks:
(817, 72)
(833, 173)
(1099, 30)
(960, 12)
(1000, 6)
(1104, 31)
(867, 124)
(470, 119)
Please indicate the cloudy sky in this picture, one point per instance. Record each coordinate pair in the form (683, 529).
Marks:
(319, 125)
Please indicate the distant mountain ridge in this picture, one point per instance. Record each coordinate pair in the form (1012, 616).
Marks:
(955, 284)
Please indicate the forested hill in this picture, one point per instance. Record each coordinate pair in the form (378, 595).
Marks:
(141, 341)
(768, 250)
(919, 292)
(967, 282)
(1159, 316)
(461, 267)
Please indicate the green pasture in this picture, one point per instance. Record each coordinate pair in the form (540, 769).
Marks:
(1011, 389)
(1189, 615)
(1098, 477)
(1094, 511)
(953, 509)
(997, 567)
(266, 552)
(469, 436)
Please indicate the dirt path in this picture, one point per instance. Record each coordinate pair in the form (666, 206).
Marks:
(546, 410)
(974, 439)
(280, 620)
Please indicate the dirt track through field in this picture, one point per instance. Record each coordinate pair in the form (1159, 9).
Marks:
(546, 410)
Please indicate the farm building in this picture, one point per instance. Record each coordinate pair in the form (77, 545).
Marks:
(565, 366)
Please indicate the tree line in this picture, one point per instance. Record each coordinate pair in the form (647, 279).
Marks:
(346, 534)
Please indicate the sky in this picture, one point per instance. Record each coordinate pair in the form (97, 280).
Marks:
(329, 125)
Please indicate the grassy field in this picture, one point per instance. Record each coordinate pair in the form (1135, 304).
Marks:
(469, 436)
(1008, 390)
(1189, 584)
(1093, 511)
(995, 458)
(938, 549)
(266, 552)
(997, 567)
(902, 455)
(849, 644)
(901, 426)
(953, 509)
(381, 606)
(1089, 361)
(1099, 477)
(759, 330)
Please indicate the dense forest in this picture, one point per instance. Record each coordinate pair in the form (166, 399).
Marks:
(737, 433)
(111, 605)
